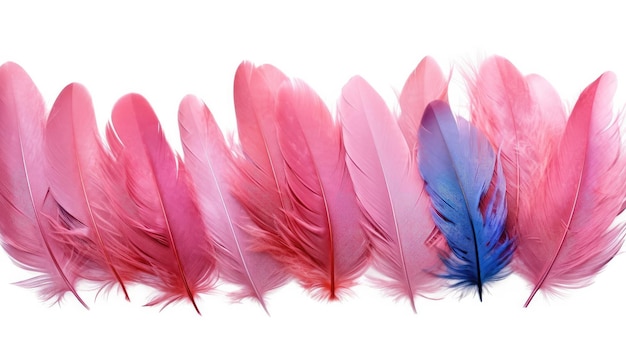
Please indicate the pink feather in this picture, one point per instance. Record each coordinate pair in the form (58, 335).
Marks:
(159, 205)
(570, 234)
(76, 157)
(324, 244)
(26, 207)
(522, 117)
(209, 162)
(425, 84)
(261, 176)
(391, 193)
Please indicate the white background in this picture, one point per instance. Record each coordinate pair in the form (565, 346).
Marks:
(167, 51)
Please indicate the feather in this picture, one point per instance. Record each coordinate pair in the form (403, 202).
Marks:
(571, 234)
(260, 180)
(522, 117)
(391, 194)
(27, 209)
(425, 84)
(159, 205)
(325, 246)
(209, 162)
(457, 164)
(76, 157)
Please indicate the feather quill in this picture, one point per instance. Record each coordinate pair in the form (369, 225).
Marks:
(325, 246)
(405, 242)
(209, 162)
(425, 84)
(158, 205)
(523, 118)
(571, 233)
(76, 157)
(27, 209)
(457, 164)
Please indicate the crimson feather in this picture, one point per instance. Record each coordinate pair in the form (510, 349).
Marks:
(571, 233)
(209, 162)
(159, 205)
(27, 209)
(405, 242)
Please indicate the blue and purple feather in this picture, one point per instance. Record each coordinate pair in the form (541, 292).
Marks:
(468, 198)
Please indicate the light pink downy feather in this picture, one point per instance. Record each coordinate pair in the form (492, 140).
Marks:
(27, 209)
(571, 232)
(425, 84)
(523, 118)
(76, 157)
(159, 205)
(209, 163)
(324, 245)
(391, 193)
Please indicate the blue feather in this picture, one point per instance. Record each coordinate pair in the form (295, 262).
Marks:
(457, 163)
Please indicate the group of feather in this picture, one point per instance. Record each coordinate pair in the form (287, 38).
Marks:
(425, 199)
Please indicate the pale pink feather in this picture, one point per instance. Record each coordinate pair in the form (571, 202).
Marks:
(76, 157)
(209, 162)
(523, 118)
(425, 84)
(27, 209)
(159, 205)
(405, 241)
(324, 245)
(570, 234)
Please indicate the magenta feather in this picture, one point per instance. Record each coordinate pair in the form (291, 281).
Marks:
(159, 205)
(76, 160)
(324, 244)
(571, 234)
(27, 209)
(209, 162)
(425, 84)
(405, 242)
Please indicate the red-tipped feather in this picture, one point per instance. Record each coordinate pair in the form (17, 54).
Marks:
(523, 118)
(570, 234)
(324, 244)
(168, 228)
(391, 193)
(209, 162)
(425, 84)
(261, 176)
(26, 207)
(76, 157)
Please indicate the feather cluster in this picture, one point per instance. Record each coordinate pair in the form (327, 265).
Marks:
(412, 201)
